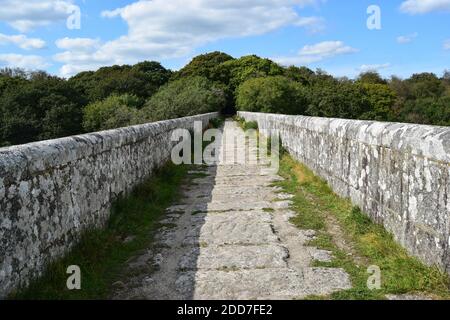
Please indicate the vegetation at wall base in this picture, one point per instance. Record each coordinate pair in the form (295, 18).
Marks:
(355, 241)
(246, 125)
(102, 253)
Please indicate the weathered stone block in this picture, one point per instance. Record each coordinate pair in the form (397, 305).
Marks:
(51, 191)
(399, 174)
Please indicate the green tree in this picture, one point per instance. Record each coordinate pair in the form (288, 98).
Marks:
(337, 99)
(27, 105)
(371, 77)
(205, 65)
(381, 99)
(62, 119)
(141, 80)
(425, 85)
(302, 75)
(276, 94)
(240, 70)
(113, 112)
(184, 97)
(428, 110)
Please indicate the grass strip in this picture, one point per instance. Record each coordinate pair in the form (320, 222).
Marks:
(102, 253)
(315, 204)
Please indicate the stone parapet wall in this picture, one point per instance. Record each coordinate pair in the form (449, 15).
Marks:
(52, 191)
(399, 174)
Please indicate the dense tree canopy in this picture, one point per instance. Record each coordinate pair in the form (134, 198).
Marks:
(302, 75)
(113, 112)
(141, 80)
(276, 94)
(237, 71)
(36, 106)
(184, 97)
(340, 99)
(205, 65)
(371, 77)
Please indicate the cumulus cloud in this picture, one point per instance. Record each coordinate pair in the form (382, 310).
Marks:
(31, 62)
(80, 55)
(27, 15)
(22, 41)
(424, 6)
(161, 29)
(407, 39)
(373, 67)
(312, 24)
(447, 44)
(77, 44)
(317, 52)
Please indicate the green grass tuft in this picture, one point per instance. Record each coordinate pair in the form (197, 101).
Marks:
(315, 204)
(102, 253)
(216, 122)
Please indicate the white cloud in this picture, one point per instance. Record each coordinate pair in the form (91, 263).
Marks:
(317, 52)
(31, 62)
(26, 15)
(80, 55)
(447, 44)
(373, 67)
(22, 41)
(162, 29)
(77, 44)
(407, 39)
(424, 6)
(312, 24)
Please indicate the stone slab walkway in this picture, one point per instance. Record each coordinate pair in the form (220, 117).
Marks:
(231, 238)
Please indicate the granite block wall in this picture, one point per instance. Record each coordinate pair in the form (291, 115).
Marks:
(51, 191)
(399, 174)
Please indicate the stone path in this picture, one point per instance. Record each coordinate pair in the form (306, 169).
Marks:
(231, 238)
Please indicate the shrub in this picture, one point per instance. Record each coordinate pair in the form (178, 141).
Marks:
(185, 97)
(338, 99)
(276, 94)
(381, 99)
(252, 125)
(113, 112)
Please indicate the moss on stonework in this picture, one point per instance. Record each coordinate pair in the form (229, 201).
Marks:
(101, 254)
(358, 243)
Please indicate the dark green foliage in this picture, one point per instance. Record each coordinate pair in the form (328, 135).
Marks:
(302, 75)
(251, 125)
(371, 77)
(275, 94)
(336, 99)
(113, 112)
(235, 72)
(36, 106)
(185, 97)
(425, 85)
(210, 66)
(228, 73)
(141, 80)
(423, 98)
(216, 122)
(381, 101)
(427, 111)
(204, 65)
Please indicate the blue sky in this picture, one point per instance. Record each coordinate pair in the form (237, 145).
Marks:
(327, 34)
